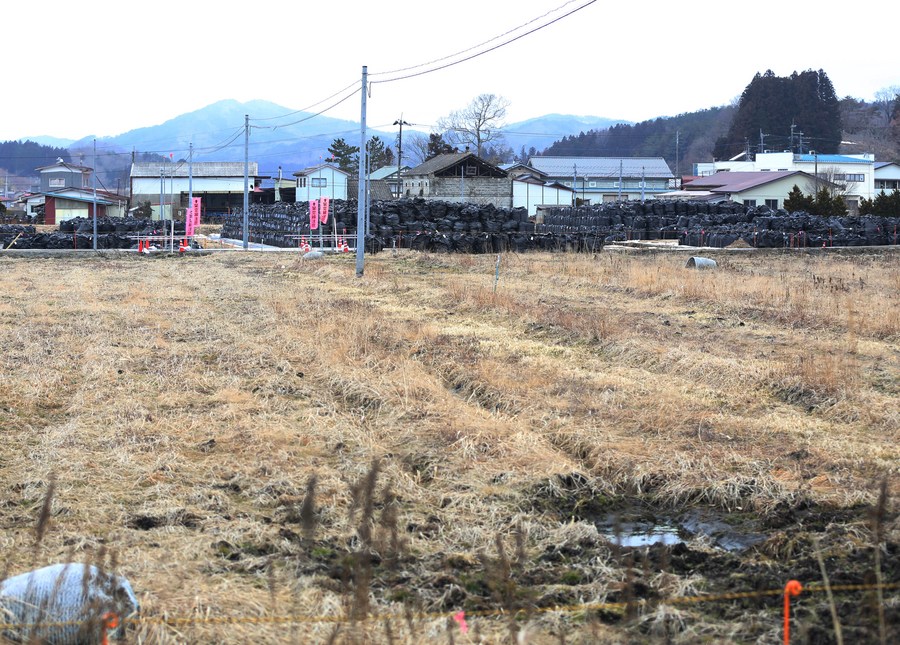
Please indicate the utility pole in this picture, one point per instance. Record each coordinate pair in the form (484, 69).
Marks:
(360, 185)
(190, 175)
(642, 184)
(94, 184)
(401, 123)
(575, 185)
(162, 187)
(677, 175)
(620, 180)
(246, 181)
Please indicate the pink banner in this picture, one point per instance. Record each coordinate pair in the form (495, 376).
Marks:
(323, 210)
(189, 222)
(314, 214)
(196, 209)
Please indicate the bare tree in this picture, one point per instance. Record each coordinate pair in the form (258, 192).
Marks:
(476, 125)
(885, 98)
(415, 148)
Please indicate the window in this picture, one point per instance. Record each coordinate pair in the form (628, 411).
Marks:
(301, 182)
(57, 182)
(592, 184)
(749, 202)
(856, 177)
(471, 171)
(319, 182)
(772, 203)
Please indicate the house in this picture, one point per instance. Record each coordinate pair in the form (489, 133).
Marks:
(459, 177)
(68, 203)
(607, 179)
(324, 180)
(64, 175)
(518, 169)
(887, 176)
(852, 175)
(534, 193)
(769, 188)
(167, 186)
(389, 174)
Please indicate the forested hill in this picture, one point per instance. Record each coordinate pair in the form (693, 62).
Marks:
(22, 157)
(800, 112)
(681, 140)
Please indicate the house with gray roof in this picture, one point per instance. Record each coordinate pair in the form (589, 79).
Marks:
(607, 179)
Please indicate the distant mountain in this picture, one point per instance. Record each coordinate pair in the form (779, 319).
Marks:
(53, 142)
(279, 136)
(541, 132)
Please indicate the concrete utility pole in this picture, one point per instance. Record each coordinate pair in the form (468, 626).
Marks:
(94, 184)
(246, 181)
(191, 175)
(677, 174)
(401, 123)
(620, 181)
(162, 187)
(575, 185)
(360, 185)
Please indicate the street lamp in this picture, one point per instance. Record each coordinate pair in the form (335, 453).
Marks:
(401, 123)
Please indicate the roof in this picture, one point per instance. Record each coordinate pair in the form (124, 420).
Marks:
(385, 172)
(62, 164)
(312, 169)
(197, 169)
(831, 159)
(442, 162)
(737, 182)
(602, 166)
(536, 180)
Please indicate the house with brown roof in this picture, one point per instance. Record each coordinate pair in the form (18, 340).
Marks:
(750, 188)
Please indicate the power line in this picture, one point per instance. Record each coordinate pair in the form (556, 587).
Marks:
(481, 53)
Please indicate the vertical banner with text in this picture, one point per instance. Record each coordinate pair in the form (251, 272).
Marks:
(195, 208)
(189, 221)
(313, 214)
(323, 209)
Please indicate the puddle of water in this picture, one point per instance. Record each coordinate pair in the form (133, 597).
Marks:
(671, 530)
(636, 535)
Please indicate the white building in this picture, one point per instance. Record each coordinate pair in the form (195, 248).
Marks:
(533, 193)
(324, 180)
(853, 174)
(607, 179)
(887, 177)
(220, 184)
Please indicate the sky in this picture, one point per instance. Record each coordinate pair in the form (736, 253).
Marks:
(101, 68)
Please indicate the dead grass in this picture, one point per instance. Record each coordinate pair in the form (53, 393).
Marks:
(179, 407)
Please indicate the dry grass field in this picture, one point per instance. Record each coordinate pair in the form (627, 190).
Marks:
(251, 435)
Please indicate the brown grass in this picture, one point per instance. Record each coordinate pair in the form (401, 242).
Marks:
(191, 412)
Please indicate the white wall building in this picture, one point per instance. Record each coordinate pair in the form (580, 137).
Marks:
(219, 183)
(532, 193)
(853, 174)
(321, 181)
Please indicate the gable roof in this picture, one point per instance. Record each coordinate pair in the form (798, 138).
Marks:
(385, 171)
(602, 166)
(737, 182)
(62, 165)
(439, 163)
(312, 169)
(198, 169)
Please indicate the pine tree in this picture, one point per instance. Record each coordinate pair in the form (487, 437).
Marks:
(345, 155)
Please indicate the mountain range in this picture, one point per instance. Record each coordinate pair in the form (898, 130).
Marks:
(282, 138)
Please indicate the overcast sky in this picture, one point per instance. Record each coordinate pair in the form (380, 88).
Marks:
(101, 68)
